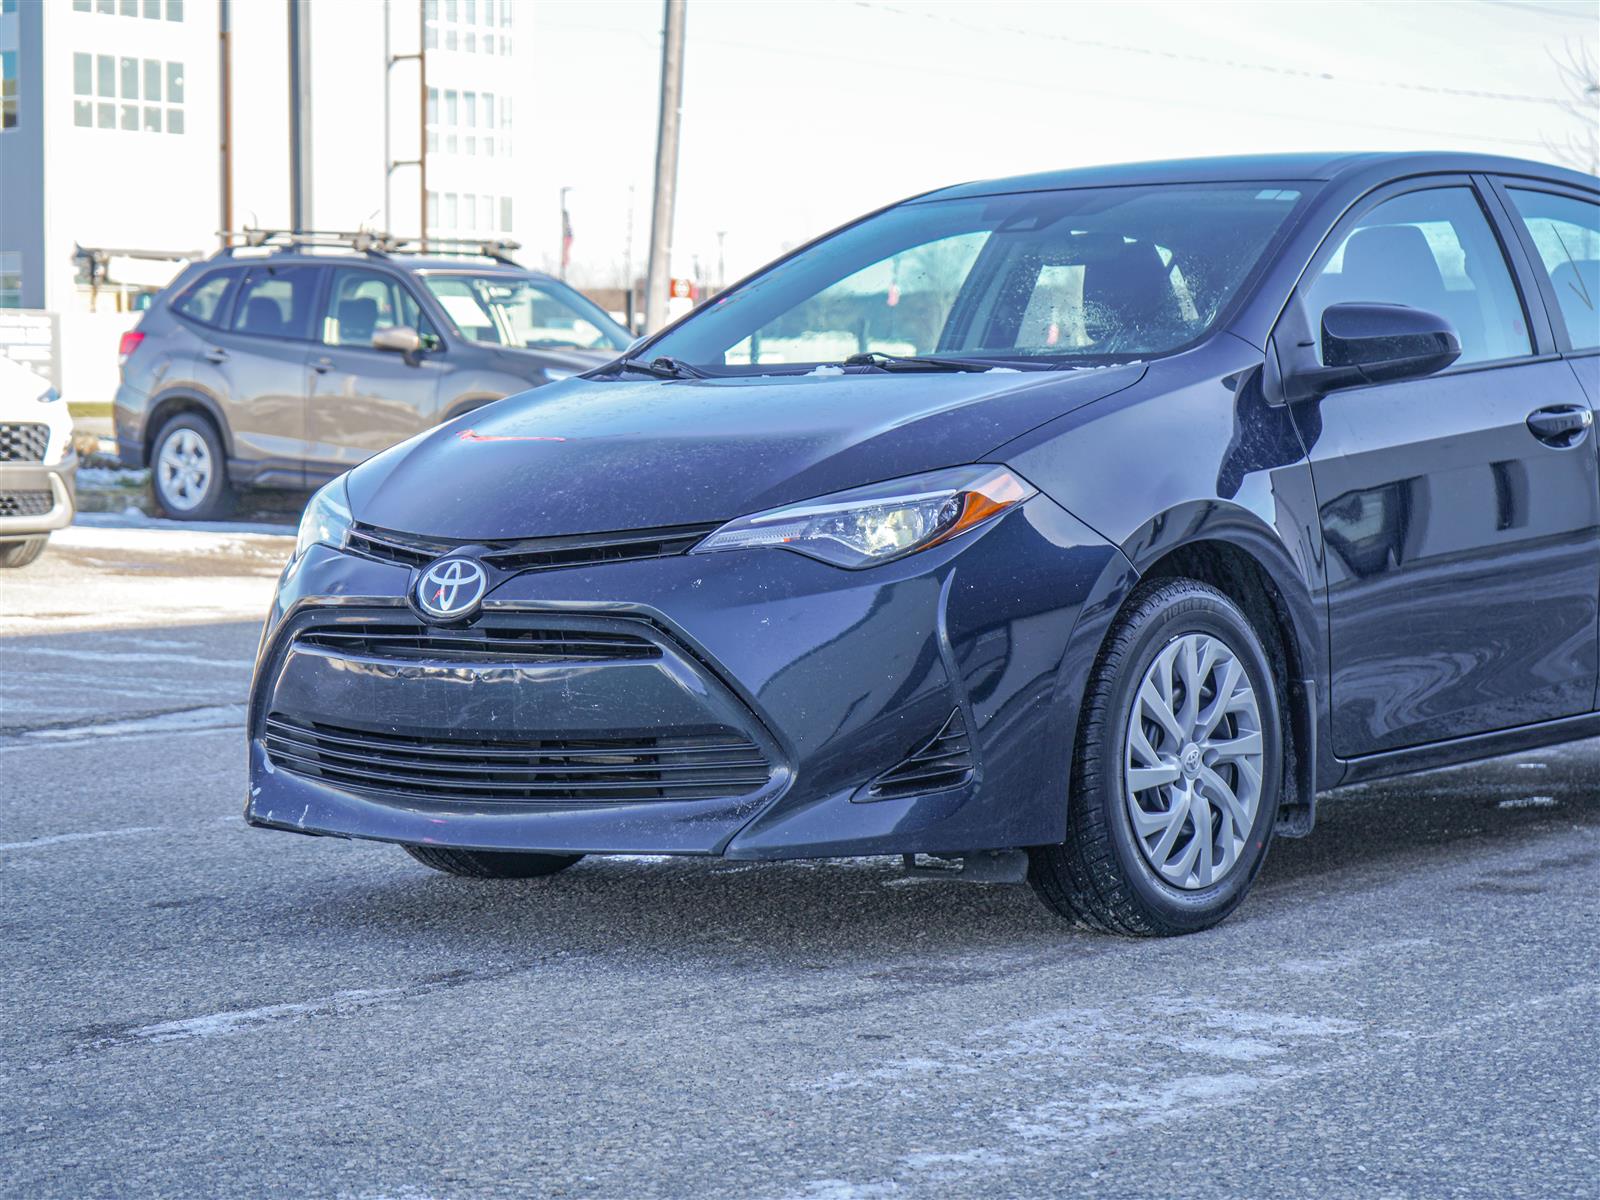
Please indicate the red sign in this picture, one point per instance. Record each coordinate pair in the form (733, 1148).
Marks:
(684, 289)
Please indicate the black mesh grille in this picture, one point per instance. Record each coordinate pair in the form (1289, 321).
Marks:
(23, 443)
(531, 554)
(409, 639)
(556, 771)
(25, 504)
(944, 761)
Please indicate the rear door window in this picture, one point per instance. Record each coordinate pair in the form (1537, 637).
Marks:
(204, 299)
(1566, 232)
(277, 302)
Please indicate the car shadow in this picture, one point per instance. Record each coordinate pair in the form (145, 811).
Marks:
(720, 914)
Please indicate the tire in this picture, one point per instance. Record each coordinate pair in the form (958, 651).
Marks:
(21, 553)
(490, 864)
(1105, 876)
(189, 469)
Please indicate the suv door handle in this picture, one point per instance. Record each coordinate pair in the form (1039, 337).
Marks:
(1561, 425)
(322, 365)
(217, 355)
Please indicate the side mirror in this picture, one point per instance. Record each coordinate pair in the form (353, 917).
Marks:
(1375, 343)
(399, 339)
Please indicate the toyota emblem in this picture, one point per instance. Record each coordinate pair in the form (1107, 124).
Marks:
(451, 589)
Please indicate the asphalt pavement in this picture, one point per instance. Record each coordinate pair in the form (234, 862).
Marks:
(1406, 1006)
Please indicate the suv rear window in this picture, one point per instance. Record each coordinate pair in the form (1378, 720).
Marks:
(277, 302)
(203, 301)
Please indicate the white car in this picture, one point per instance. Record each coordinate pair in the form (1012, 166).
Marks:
(38, 466)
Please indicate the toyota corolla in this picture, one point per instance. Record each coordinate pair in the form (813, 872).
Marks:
(1081, 527)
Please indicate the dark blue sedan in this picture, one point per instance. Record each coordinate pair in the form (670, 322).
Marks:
(1081, 527)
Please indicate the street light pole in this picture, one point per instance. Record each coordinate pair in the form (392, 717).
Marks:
(659, 278)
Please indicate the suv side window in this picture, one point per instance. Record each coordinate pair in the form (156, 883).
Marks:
(203, 300)
(1566, 232)
(1432, 250)
(361, 303)
(277, 302)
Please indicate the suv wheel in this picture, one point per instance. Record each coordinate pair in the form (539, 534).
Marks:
(188, 470)
(1177, 771)
(21, 553)
(491, 864)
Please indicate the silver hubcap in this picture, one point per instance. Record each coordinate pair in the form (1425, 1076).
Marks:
(183, 469)
(1193, 764)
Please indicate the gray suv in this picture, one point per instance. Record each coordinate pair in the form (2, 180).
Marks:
(288, 360)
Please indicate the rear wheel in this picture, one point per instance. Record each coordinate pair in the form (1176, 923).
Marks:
(21, 553)
(188, 470)
(1177, 771)
(490, 864)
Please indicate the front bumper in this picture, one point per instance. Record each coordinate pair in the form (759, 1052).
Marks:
(37, 497)
(815, 682)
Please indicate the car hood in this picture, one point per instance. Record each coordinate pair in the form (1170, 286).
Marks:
(592, 456)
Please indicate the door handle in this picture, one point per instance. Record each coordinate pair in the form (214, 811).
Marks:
(1561, 425)
(217, 355)
(322, 365)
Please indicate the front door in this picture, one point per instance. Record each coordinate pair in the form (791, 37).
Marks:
(1461, 534)
(364, 400)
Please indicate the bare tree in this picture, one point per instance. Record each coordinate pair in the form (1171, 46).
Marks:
(1580, 79)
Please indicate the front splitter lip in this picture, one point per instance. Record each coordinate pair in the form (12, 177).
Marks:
(282, 800)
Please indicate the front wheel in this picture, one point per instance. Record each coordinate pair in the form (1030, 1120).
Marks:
(490, 864)
(1177, 772)
(21, 553)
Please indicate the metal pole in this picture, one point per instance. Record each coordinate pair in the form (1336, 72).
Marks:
(659, 279)
(422, 122)
(388, 122)
(225, 117)
(299, 115)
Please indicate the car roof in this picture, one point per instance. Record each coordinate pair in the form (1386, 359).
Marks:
(1319, 167)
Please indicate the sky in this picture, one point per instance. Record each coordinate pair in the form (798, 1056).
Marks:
(798, 116)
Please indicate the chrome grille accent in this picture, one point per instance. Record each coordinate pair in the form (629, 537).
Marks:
(410, 639)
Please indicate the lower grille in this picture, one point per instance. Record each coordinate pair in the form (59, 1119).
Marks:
(944, 761)
(555, 771)
(26, 504)
(484, 643)
(23, 443)
(531, 554)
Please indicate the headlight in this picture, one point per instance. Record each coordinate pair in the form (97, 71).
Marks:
(869, 525)
(49, 396)
(326, 519)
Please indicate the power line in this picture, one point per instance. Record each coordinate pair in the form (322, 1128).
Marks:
(1233, 64)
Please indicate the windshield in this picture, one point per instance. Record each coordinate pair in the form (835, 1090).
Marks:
(531, 314)
(1042, 278)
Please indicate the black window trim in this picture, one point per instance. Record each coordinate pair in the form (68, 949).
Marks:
(1502, 185)
(1540, 337)
(325, 303)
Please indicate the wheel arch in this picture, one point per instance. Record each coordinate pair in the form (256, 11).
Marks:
(171, 404)
(1244, 559)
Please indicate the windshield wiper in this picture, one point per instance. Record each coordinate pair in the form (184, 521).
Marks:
(661, 368)
(915, 362)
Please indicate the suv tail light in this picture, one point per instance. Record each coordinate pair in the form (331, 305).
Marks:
(130, 343)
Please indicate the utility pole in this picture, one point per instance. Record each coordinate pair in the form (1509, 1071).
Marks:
(299, 114)
(659, 279)
(421, 160)
(224, 118)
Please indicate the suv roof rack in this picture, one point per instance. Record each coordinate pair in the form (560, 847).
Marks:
(365, 241)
